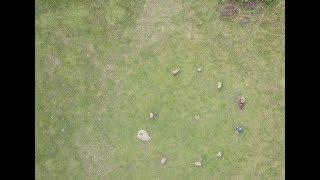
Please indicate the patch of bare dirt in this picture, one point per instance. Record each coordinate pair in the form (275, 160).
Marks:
(89, 48)
(252, 5)
(154, 21)
(91, 53)
(61, 35)
(244, 13)
(51, 64)
(95, 155)
(245, 20)
(230, 10)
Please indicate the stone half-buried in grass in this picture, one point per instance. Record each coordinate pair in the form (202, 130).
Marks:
(198, 163)
(151, 115)
(199, 69)
(219, 155)
(219, 85)
(163, 160)
(143, 135)
(175, 71)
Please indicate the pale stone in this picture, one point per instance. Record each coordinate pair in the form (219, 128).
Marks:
(151, 115)
(143, 135)
(219, 154)
(198, 163)
(175, 71)
(163, 160)
(199, 69)
(219, 85)
(196, 117)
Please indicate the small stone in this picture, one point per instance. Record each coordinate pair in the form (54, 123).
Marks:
(51, 117)
(151, 115)
(241, 101)
(62, 130)
(196, 117)
(219, 154)
(199, 69)
(239, 130)
(227, 140)
(198, 163)
(163, 160)
(143, 135)
(174, 72)
(219, 85)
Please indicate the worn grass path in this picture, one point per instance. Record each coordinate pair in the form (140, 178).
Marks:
(102, 66)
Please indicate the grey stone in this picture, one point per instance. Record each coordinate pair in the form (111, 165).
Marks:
(239, 130)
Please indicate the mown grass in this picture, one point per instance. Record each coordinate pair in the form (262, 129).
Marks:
(102, 66)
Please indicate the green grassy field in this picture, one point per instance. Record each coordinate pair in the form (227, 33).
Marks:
(102, 66)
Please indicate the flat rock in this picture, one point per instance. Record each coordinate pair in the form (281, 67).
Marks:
(199, 69)
(163, 160)
(219, 154)
(143, 135)
(176, 71)
(196, 117)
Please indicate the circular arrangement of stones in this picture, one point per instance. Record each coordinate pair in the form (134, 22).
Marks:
(144, 136)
